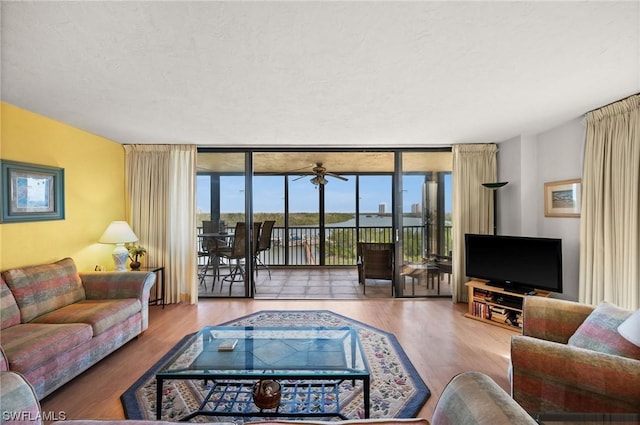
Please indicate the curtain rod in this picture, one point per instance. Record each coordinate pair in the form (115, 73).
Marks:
(611, 103)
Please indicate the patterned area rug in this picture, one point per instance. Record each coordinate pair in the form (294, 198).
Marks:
(396, 388)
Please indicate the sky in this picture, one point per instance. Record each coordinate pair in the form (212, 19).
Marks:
(303, 195)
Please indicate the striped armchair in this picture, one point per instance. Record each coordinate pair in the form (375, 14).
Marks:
(548, 374)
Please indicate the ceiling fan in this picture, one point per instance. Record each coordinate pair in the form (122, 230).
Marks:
(320, 173)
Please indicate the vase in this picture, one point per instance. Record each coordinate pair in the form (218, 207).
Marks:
(135, 265)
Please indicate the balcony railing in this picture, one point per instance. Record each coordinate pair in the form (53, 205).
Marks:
(300, 246)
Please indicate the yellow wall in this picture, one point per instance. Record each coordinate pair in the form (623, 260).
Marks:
(94, 191)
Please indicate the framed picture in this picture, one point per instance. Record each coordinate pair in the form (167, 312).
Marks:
(562, 198)
(31, 192)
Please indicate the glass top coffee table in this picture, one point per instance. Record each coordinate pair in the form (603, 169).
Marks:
(309, 362)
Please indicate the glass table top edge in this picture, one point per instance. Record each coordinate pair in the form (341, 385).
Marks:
(354, 352)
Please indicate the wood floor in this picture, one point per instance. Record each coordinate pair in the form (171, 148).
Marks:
(438, 340)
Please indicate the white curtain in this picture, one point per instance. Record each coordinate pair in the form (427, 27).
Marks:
(610, 216)
(161, 182)
(472, 204)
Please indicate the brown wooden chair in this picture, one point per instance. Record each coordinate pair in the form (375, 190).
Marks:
(376, 260)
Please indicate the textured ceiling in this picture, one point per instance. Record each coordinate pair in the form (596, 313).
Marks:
(337, 162)
(325, 74)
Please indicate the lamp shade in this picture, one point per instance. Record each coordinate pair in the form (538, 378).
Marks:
(118, 232)
(630, 328)
(495, 185)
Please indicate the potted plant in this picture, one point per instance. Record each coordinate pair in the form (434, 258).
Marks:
(135, 252)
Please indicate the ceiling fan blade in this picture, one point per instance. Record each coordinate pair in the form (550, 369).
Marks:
(337, 176)
(300, 169)
(287, 172)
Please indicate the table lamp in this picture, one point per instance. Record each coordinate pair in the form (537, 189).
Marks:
(630, 328)
(119, 233)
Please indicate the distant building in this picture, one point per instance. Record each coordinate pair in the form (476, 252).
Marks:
(416, 208)
(382, 208)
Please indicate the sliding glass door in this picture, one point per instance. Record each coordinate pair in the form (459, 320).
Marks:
(426, 236)
(323, 203)
(223, 226)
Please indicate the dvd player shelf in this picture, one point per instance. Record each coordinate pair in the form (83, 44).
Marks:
(497, 306)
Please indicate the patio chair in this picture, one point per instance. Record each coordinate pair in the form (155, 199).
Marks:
(376, 260)
(210, 248)
(264, 245)
(237, 253)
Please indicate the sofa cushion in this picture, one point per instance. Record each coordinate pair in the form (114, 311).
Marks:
(44, 288)
(30, 345)
(100, 314)
(9, 311)
(599, 332)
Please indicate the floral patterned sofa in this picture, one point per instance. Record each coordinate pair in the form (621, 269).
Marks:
(55, 323)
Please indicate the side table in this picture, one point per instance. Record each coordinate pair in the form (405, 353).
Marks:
(423, 272)
(159, 271)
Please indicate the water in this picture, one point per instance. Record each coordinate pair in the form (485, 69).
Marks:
(298, 235)
(377, 220)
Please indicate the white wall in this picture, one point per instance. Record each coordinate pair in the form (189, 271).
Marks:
(509, 204)
(527, 162)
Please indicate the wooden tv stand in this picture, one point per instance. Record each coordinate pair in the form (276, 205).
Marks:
(496, 306)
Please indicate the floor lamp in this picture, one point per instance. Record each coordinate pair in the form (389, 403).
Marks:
(494, 187)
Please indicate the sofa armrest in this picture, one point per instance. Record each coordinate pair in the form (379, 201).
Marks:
(472, 398)
(552, 377)
(552, 319)
(4, 363)
(20, 404)
(114, 285)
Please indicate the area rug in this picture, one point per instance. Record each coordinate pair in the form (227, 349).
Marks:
(397, 391)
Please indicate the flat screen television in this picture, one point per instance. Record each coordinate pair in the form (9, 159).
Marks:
(515, 263)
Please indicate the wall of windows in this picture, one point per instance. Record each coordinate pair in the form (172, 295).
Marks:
(320, 224)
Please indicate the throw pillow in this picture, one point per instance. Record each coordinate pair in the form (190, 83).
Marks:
(599, 332)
